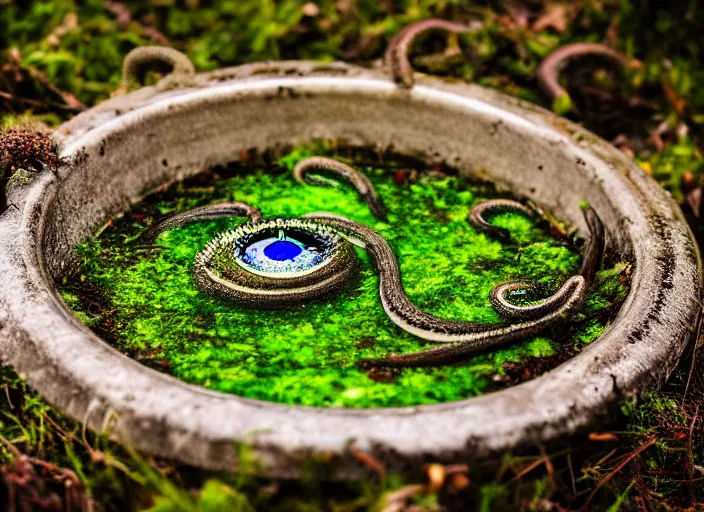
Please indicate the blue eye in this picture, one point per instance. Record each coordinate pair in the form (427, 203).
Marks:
(288, 251)
(275, 263)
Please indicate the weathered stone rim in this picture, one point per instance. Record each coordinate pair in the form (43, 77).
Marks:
(95, 384)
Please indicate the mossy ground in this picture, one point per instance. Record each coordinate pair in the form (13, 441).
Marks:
(309, 354)
(47, 461)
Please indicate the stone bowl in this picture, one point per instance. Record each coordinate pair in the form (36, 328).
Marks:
(117, 152)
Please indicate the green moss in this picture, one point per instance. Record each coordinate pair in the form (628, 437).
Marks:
(653, 410)
(669, 166)
(308, 355)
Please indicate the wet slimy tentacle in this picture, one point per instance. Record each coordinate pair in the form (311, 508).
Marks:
(179, 68)
(573, 296)
(551, 67)
(468, 337)
(303, 173)
(213, 211)
(396, 56)
(478, 217)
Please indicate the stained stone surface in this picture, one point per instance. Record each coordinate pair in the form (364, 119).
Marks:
(115, 153)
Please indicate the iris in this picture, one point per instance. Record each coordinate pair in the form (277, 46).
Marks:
(282, 250)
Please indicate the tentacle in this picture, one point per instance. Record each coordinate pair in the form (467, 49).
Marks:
(213, 211)
(466, 337)
(575, 291)
(477, 216)
(302, 173)
(509, 311)
(592, 254)
(396, 56)
(593, 250)
(180, 69)
(399, 308)
(550, 68)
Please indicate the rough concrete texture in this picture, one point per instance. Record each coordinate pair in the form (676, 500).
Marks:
(116, 152)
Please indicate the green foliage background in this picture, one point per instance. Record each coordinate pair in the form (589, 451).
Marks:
(78, 48)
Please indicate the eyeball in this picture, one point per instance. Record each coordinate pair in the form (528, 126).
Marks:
(275, 263)
(285, 249)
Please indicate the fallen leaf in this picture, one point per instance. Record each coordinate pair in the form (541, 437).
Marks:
(602, 437)
(436, 477)
(460, 481)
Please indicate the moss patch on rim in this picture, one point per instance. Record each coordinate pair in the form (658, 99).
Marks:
(143, 301)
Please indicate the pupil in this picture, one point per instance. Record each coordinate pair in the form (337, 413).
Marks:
(282, 250)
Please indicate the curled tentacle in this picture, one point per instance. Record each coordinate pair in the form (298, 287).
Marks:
(548, 73)
(396, 56)
(467, 337)
(464, 338)
(302, 173)
(575, 290)
(501, 294)
(213, 211)
(477, 216)
(509, 311)
(139, 61)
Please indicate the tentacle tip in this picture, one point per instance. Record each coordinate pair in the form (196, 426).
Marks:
(405, 82)
(377, 207)
(589, 212)
(402, 80)
(593, 220)
(381, 215)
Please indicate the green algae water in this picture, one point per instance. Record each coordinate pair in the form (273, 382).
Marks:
(142, 300)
